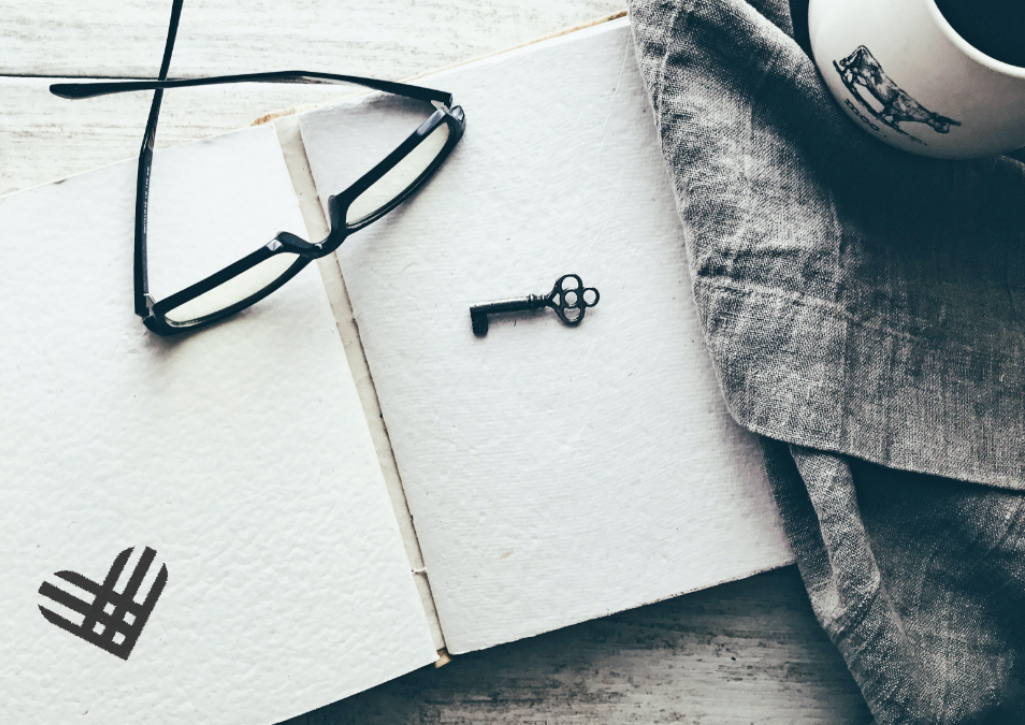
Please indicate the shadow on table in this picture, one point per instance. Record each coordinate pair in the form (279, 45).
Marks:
(741, 653)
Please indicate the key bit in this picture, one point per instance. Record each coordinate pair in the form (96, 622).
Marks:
(569, 298)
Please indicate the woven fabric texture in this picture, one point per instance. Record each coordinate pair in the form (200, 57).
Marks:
(863, 310)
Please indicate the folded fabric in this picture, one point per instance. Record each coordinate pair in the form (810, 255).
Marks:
(861, 306)
(918, 580)
(856, 298)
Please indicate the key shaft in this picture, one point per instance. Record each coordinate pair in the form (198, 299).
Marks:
(479, 313)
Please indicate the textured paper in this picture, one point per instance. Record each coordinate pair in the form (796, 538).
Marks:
(240, 454)
(554, 474)
(290, 138)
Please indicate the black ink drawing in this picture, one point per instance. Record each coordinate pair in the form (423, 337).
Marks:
(894, 106)
(111, 620)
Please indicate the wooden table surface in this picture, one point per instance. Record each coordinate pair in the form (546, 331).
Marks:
(746, 652)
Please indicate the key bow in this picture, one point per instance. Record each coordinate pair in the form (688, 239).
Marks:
(570, 303)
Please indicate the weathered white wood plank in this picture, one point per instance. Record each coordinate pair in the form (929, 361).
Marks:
(392, 39)
(43, 137)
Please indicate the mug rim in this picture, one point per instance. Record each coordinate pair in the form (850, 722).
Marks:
(970, 50)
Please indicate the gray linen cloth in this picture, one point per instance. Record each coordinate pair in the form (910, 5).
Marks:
(863, 309)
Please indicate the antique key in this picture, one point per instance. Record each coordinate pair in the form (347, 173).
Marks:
(569, 298)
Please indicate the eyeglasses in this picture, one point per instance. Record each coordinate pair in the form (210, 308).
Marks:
(255, 276)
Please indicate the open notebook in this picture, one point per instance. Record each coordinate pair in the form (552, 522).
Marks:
(211, 529)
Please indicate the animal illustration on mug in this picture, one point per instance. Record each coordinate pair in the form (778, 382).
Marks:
(895, 106)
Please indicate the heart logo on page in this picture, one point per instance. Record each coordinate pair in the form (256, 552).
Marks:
(110, 615)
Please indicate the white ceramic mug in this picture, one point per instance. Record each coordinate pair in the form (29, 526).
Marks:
(903, 74)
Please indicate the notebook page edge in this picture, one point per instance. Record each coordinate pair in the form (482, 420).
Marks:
(290, 138)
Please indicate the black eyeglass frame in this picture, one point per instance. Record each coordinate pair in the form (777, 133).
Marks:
(285, 242)
(154, 313)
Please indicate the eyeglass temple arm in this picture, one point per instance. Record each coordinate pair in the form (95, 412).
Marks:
(140, 269)
(91, 90)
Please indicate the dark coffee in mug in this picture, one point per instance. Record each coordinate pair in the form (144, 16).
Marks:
(996, 27)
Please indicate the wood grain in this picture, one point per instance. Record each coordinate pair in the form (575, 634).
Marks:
(747, 652)
(742, 653)
(387, 39)
(44, 138)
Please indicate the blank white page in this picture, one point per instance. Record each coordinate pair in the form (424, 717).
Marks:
(555, 474)
(238, 454)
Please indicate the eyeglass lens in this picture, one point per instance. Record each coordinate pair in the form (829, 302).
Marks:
(399, 178)
(234, 290)
(250, 281)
